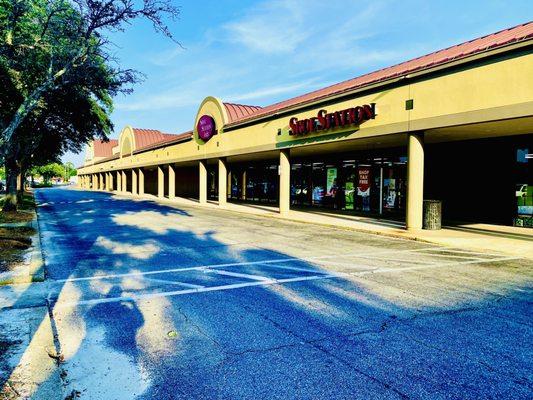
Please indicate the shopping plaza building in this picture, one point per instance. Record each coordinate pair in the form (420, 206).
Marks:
(455, 125)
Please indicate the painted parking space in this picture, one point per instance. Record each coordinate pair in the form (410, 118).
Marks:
(145, 283)
(189, 303)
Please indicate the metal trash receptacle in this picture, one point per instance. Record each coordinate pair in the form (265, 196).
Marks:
(432, 214)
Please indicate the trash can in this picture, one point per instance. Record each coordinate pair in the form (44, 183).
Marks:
(432, 214)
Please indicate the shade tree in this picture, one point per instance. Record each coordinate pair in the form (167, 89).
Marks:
(59, 75)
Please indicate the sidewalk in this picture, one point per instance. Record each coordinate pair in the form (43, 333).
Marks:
(515, 241)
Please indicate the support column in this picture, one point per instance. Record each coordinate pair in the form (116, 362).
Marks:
(222, 182)
(124, 182)
(100, 182)
(95, 182)
(243, 185)
(111, 183)
(202, 164)
(171, 182)
(230, 181)
(133, 181)
(140, 172)
(284, 181)
(119, 181)
(160, 182)
(415, 181)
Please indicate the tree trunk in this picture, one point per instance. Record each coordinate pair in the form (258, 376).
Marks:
(21, 184)
(12, 172)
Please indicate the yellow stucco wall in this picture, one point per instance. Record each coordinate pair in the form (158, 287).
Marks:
(486, 91)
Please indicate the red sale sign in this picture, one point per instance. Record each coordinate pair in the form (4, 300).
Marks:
(364, 179)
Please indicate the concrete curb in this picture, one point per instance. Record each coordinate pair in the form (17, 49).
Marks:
(33, 269)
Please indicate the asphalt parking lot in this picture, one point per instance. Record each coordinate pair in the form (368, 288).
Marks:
(153, 301)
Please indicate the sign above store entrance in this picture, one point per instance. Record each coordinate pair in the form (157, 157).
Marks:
(206, 127)
(325, 121)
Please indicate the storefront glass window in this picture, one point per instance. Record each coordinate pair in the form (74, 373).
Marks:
(256, 183)
(362, 184)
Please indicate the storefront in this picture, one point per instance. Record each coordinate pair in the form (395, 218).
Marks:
(484, 180)
(255, 183)
(365, 182)
(455, 125)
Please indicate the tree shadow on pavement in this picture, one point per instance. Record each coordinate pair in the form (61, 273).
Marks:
(147, 328)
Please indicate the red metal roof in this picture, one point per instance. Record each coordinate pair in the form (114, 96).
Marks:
(507, 36)
(239, 111)
(167, 141)
(104, 149)
(147, 137)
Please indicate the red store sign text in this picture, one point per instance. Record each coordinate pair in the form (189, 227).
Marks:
(324, 120)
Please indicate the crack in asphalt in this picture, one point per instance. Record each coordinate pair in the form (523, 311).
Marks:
(197, 327)
(315, 344)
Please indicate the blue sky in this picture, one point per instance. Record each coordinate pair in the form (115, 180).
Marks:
(261, 52)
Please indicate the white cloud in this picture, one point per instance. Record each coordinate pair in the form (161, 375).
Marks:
(270, 27)
(165, 57)
(266, 92)
(311, 35)
(272, 51)
(165, 100)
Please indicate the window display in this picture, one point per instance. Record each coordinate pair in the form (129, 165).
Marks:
(350, 183)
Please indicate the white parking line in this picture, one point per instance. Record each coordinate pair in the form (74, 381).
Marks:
(234, 264)
(348, 263)
(187, 291)
(237, 275)
(430, 266)
(289, 268)
(189, 285)
(269, 281)
(469, 257)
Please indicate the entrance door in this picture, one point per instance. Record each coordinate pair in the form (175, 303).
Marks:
(212, 182)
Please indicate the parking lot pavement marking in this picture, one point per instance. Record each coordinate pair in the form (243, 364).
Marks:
(263, 281)
(430, 266)
(147, 296)
(469, 257)
(289, 268)
(225, 265)
(237, 275)
(168, 282)
(395, 259)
